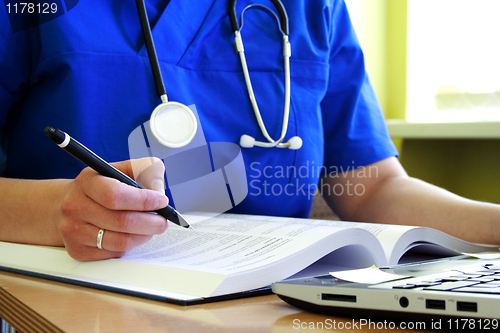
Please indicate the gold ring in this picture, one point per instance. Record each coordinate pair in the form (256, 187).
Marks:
(100, 235)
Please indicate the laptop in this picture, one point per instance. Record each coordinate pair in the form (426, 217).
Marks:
(456, 287)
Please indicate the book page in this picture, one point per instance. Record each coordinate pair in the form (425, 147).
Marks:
(396, 240)
(387, 234)
(253, 251)
(234, 243)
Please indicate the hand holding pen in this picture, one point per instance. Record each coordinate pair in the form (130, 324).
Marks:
(104, 217)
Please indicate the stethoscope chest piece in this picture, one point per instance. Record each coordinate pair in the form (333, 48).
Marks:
(173, 124)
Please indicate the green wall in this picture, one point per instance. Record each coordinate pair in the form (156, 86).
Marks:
(470, 168)
(381, 29)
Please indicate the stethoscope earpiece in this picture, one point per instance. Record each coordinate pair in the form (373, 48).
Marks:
(246, 141)
(295, 143)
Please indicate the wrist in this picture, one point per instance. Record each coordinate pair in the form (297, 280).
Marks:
(29, 210)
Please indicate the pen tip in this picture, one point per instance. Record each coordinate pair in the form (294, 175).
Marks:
(50, 131)
(183, 222)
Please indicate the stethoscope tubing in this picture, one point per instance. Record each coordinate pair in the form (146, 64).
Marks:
(233, 17)
(284, 27)
(162, 93)
(150, 47)
(253, 101)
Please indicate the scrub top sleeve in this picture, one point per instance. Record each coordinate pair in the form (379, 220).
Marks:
(15, 66)
(355, 131)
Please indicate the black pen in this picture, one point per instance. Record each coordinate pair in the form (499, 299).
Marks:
(89, 158)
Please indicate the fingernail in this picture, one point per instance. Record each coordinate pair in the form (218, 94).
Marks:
(158, 185)
(161, 202)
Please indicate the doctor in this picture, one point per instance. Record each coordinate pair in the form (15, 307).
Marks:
(88, 72)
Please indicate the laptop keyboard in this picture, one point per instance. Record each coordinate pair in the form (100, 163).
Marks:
(484, 279)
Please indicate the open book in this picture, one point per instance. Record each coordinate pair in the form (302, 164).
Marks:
(231, 255)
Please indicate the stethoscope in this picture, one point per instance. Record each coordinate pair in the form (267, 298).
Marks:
(174, 124)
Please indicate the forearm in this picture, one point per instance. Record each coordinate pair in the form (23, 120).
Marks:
(405, 200)
(389, 196)
(72, 212)
(29, 210)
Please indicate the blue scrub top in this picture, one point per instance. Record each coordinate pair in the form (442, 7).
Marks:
(87, 73)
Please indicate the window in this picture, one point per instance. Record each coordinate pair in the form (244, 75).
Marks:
(453, 64)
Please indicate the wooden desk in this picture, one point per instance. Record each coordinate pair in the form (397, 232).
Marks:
(37, 305)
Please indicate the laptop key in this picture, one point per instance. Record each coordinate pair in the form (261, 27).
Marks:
(494, 284)
(475, 289)
(483, 279)
(470, 275)
(492, 267)
(428, 284)
(455, 278)
(405, 286)
(451, 285)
